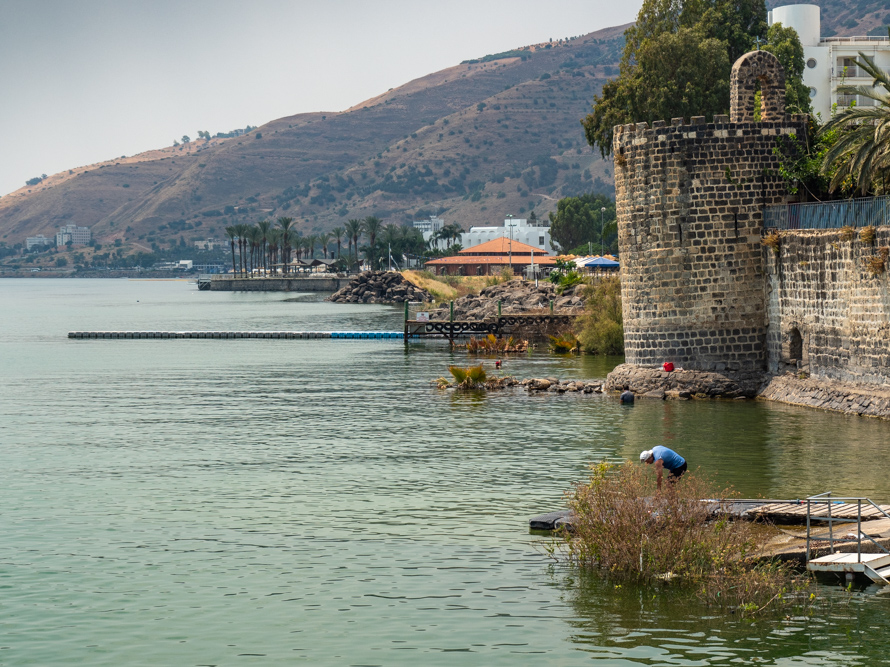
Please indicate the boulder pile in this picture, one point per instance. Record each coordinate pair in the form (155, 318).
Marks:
(516, 296)
(555, 386)
(380, 287)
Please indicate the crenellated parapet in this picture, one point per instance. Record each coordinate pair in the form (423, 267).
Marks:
(689, 198)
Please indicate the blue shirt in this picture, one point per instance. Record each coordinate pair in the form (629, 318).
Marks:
(671, 459)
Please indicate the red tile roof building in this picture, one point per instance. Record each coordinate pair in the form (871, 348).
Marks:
(490, 257)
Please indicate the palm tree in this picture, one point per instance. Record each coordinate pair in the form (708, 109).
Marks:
(264, 227)
(354, 231)
(338, 234)
(255, 238)
(274, 238)
(285, 225)
(242, 236)
(861, 155)
(325, 240)
(372, 225)
(295, 238)
(392, 237)
(232, 233)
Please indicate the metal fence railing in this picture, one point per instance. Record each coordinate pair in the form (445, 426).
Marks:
(819, 508)
(864, 212)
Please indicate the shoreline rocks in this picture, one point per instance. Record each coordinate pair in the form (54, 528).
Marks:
(516, 296)
(380, 287)
(648, 382)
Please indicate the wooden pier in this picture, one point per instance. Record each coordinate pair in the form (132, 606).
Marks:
(503, 325)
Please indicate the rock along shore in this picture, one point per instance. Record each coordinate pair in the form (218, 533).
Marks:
(847, 398)
(380, 287)
(515, 297)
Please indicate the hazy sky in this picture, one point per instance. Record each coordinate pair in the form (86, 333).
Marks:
(88, 80)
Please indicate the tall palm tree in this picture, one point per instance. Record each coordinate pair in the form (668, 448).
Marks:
(274, 238)
(392, 237)
(861, 154)
(232, 233)
(354, 231)
(255, 238)
(242, 237)
(338, 234)
(372, 225)
(295, 238)
(264, 226)
(285, 225)
(325, 240)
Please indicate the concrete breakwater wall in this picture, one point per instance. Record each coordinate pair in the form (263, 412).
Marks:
(224, 283)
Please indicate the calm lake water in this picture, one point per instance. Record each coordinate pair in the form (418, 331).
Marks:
(234, 502)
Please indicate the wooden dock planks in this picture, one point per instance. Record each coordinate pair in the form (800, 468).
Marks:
(797, 510)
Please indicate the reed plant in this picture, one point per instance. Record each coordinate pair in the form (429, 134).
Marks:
(491, 344)
(626, 528)
(565, 344)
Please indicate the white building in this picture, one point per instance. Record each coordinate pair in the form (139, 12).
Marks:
(40, 240)
(431, 226)
(536, 234)
(829, 61)
(76, 235)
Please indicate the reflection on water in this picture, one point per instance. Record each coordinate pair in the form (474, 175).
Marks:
(206, 502)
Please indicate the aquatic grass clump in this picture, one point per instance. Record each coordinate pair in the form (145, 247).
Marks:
(565, 344)
(491, 344)
(624, 527)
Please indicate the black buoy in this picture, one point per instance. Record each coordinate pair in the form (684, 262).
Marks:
(627, 396)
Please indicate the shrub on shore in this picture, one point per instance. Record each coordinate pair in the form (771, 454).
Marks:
(623, 527)
(600, 328)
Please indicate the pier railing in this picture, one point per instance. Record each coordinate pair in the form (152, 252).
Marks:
(829, 501)
(862, 212)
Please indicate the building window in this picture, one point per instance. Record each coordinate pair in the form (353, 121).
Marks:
(811, 63)
(812, 92)
(540, 240)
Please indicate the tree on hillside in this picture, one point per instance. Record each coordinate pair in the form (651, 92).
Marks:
(676, 62)
(185, 138)
(580, 221)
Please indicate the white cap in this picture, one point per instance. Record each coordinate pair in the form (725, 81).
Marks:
(645, 454)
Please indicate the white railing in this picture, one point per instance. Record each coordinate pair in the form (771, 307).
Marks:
(828, 499)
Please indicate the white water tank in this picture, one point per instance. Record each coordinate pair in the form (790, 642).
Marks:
(805, 19)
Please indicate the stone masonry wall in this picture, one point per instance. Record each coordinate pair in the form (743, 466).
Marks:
(690, 200)
(828, 315)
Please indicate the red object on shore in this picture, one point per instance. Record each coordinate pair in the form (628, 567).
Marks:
(668, 366)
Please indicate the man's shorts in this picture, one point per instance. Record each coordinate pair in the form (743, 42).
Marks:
(676, 473)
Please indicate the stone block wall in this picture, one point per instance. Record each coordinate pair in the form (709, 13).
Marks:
(689, 198)
(828, 315)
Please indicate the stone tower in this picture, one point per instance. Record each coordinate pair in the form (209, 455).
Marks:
(690, 201)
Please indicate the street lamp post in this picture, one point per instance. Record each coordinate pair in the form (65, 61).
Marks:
(603, 230)
(510, 250)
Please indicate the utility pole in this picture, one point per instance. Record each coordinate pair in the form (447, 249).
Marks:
(510, 251)
(602, 231)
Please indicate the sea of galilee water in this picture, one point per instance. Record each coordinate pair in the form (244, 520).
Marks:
(272, 502)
